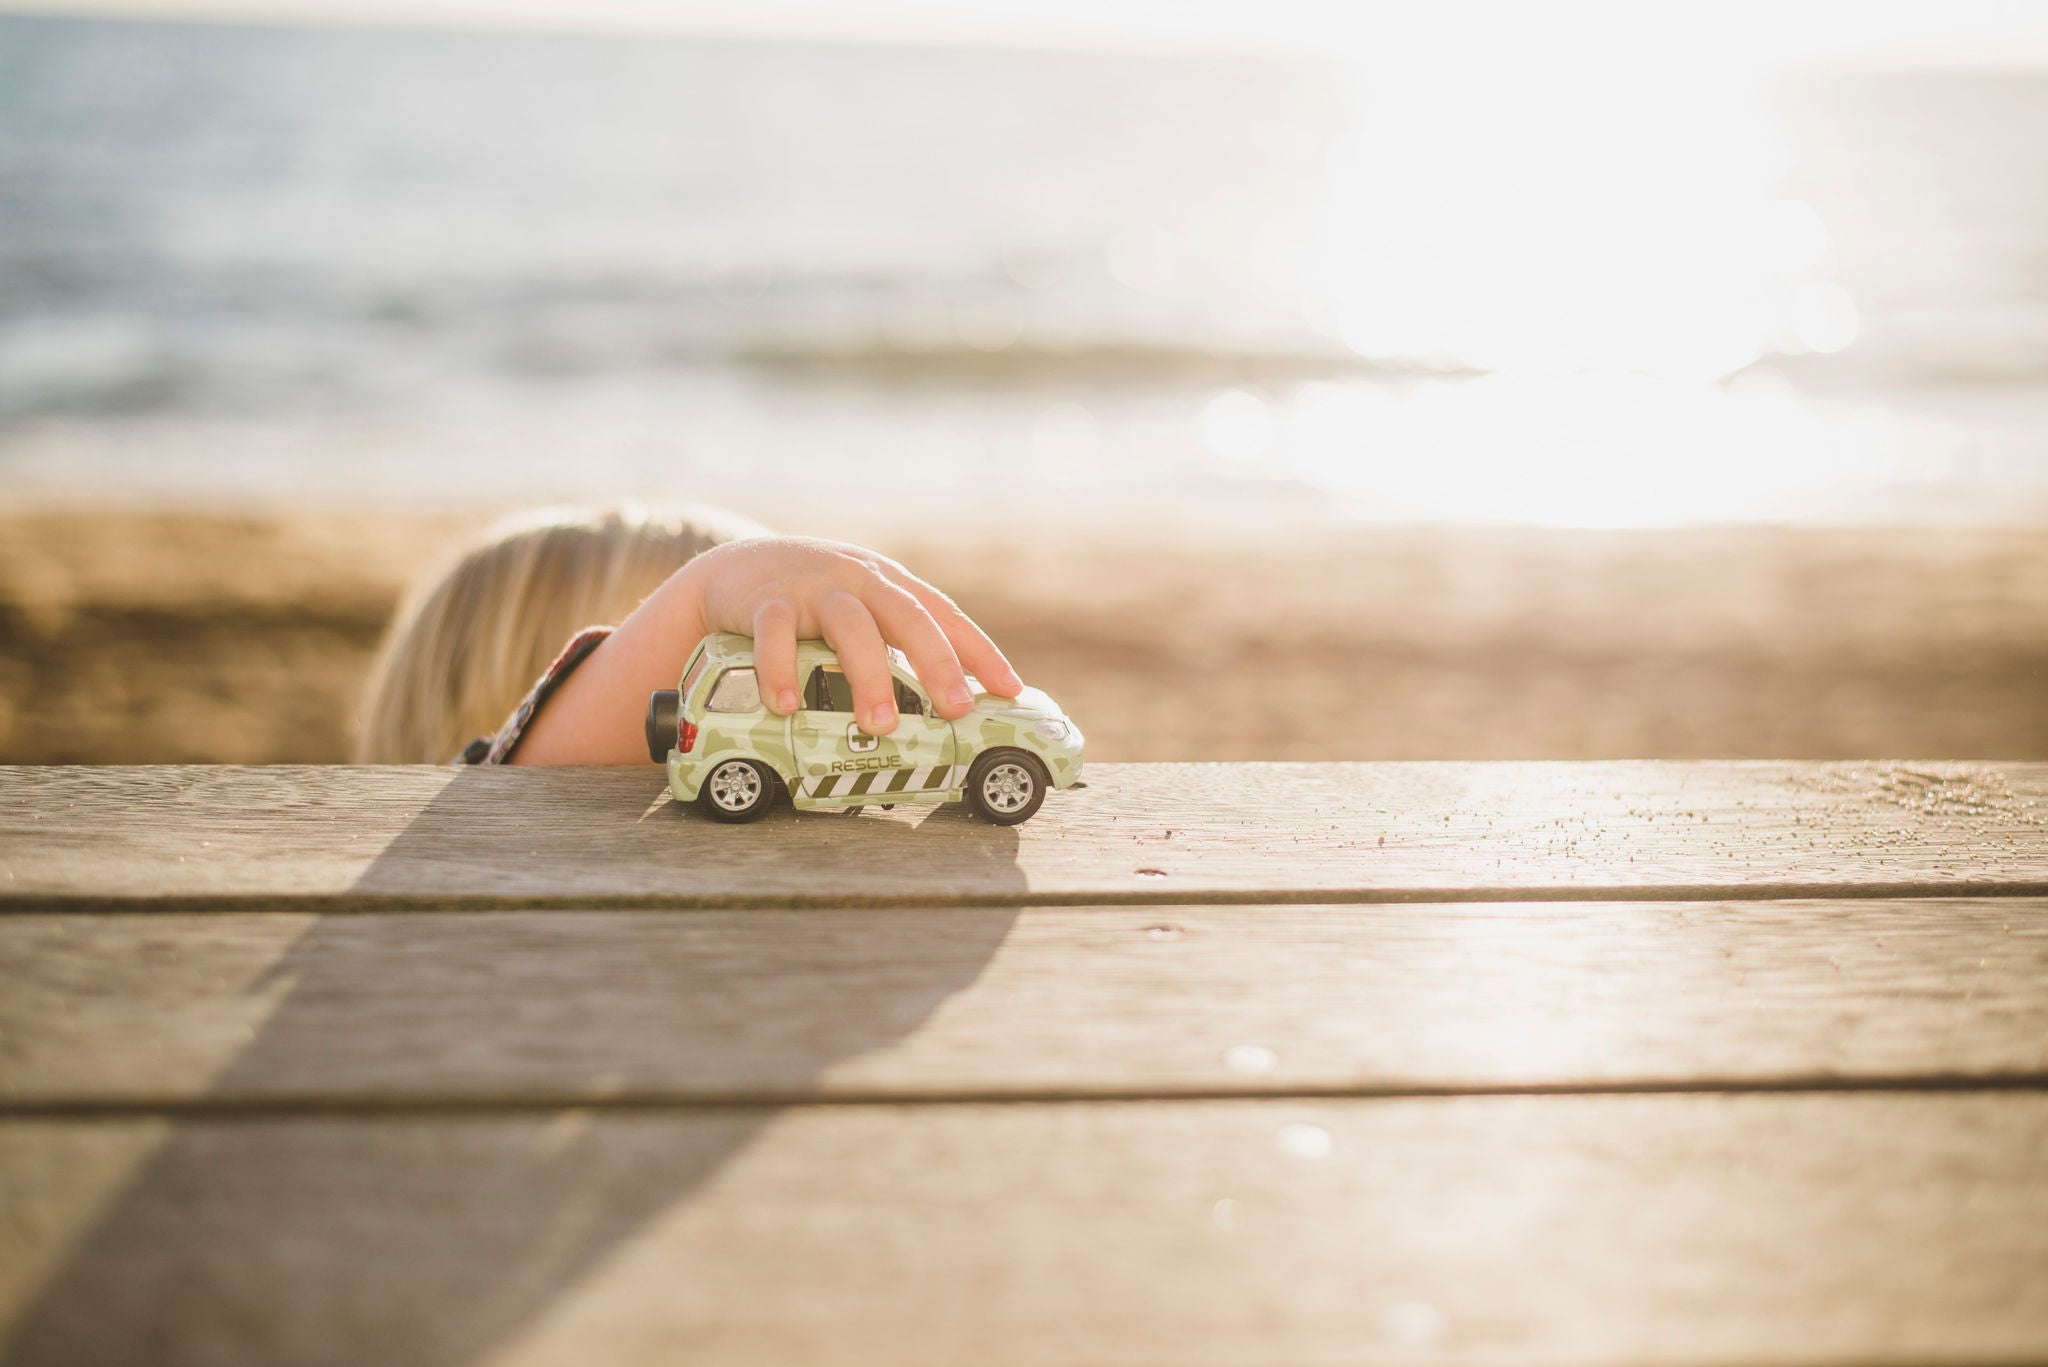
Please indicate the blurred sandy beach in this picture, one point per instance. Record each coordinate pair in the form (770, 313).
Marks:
(158, 637)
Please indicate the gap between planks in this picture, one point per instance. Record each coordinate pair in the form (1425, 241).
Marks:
(373, 1107)
(328, 904)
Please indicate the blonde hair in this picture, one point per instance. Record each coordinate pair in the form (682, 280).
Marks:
(471, 638)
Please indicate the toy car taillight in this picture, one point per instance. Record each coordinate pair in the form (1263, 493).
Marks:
(686, 736)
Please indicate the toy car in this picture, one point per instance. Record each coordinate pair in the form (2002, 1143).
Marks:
(726, 751)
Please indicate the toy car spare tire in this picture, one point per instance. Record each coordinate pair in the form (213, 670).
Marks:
(662, 708)
(1006, 786)
(737, 790)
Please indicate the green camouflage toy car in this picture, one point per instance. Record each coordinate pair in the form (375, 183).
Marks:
(729, 753)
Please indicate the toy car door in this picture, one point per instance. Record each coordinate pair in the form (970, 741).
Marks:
(837, 761)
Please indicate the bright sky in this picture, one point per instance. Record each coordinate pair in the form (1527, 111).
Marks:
(1750, 31)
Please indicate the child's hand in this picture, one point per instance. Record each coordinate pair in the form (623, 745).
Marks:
(781, 589)
(777, 589)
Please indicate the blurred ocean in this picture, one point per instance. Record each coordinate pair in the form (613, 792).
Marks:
(339, 264)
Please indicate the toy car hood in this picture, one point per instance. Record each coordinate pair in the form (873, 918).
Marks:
(1033, 704)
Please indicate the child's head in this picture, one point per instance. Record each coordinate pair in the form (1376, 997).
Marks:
(472, 637)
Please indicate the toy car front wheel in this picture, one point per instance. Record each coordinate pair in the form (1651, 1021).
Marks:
(1006, 786)
(737, 790)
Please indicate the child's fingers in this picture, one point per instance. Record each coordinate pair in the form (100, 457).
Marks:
(971, 644)
(904, 622)
(851, 632)
(775, 654)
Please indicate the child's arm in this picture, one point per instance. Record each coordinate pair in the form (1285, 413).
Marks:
(778, 590)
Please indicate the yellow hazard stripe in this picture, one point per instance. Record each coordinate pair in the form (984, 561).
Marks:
(873, 782)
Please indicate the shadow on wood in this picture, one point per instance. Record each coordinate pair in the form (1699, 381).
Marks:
(468, 1241)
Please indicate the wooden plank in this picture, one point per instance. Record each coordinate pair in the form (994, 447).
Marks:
(239, 1009)
(1138, 833)
(1869, 1228)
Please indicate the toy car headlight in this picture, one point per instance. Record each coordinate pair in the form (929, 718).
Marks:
(1051, 729)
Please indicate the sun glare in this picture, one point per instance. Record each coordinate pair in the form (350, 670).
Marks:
(1605, 245)
(1582, 223)
(1588, 448)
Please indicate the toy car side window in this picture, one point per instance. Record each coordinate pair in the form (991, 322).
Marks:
(736, 691)
(695, 672)
(828, 691)
(907, 701)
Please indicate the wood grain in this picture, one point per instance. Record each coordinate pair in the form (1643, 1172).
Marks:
(1160, 833)
(1866, 1228)
(250, 1009)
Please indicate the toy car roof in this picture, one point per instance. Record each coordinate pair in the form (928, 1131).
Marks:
(723, 647)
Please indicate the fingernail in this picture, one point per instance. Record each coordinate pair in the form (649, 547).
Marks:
(785, 701)
(960, 695)
(882, 719)
(1013, 681)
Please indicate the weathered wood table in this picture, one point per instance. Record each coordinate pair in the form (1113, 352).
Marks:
(1206, 1064)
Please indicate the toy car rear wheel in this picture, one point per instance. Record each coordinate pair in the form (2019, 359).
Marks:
(1006, 786)
(737, 790)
